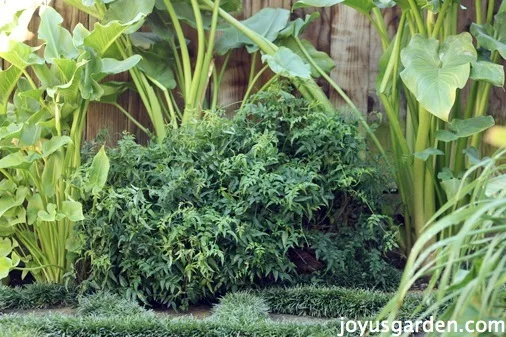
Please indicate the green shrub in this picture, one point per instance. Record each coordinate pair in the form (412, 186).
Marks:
(143, 326)
(241, 308)
(36, 296)
(107, 304)
(218, 205)
(334, 302)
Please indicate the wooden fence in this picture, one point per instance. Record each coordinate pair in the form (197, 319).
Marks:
(343, 33)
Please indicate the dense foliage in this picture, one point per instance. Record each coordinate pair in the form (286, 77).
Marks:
(219, 204)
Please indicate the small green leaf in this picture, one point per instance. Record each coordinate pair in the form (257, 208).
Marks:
(5, 267)
(490, 72)
(434, 72)
(5, 247)
(73, 210)
(288, 64)
(35, 205)
(52, 173)
(99, 171)
(48, 215)
(461, 128)
(424, 155)
(298, 26)
(492, 38)
(112, 66)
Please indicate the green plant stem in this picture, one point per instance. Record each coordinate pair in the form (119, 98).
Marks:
(217, 80)
(269, 82)
(418, 17)
(490, 11)
(379, 24)
(252, 85)
(440, 19)
(421, 198)
(191, 101)
(204, 78)
(129, 116)
(478, 6)
(185, 55)
(252, 68)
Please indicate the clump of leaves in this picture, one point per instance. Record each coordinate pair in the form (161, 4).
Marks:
(108, 304)
(36, 296)
(241, 308)
(217, 205)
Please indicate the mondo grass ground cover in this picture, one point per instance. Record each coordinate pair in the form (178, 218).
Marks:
(334, 302)
(100, 315)
(321, 302)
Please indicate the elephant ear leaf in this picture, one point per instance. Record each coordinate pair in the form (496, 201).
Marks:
(268, 22)
(288, 64)
(59, 43)
(433, 72)
(7, 264)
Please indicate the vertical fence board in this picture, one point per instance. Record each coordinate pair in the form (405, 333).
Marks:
(350, 38)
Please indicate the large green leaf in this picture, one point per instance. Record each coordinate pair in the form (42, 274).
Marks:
(58, 40)
(363, 6)
(288, 64)
(103, 37)
(490, 72)
(130, 13)
(8, 80)
(492, 38)
(98, 172)
(321, 59)
(434, 72)
(268, 22)
(461, 128)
